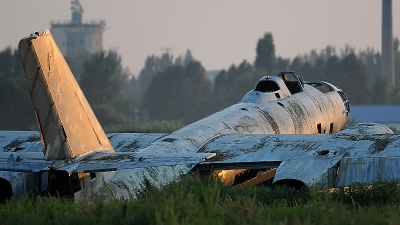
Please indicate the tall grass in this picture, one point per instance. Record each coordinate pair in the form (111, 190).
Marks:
(210, 202)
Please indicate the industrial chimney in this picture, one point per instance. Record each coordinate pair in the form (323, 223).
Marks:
(387, 65)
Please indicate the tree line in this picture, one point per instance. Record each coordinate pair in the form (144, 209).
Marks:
(180, 90)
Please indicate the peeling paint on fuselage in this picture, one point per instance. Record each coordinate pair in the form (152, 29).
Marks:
(299, 114)
(305, 109)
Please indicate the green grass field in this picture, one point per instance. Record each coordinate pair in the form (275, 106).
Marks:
(210, 202)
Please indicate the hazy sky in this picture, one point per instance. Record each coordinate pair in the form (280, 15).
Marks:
(218, 32)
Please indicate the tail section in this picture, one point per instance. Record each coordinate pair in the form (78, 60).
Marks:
(66, 122)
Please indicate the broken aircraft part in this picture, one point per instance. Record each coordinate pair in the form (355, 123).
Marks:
(277, 126)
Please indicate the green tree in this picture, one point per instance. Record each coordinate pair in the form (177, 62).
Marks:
(198, 92)
(354, 79)
(178, 93)
(16, 109)
(185, 60)
(153, 65)
(230, 86)
(303, 67)
(282, 64)
(10, 63)
(333, 70)
(372, 62)
(394, 97)
(103, 81)
(103, 77)
(130, 88)
(379, 91)
(265, 58)
(164, 93)
(75, 63)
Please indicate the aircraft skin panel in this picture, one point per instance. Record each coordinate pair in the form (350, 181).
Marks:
(132, 142)
(33, 162)
(245, 118)
(22, 153)
(66, 121)
(363, 157)
(129, 183)
(368, 169)
(308, 158)
(27, 146)
(294, 117)
(248, 148)
(29, 141)
(301, 157)
(24, 143)
(102, 162)
(22, 183)
(339, 115)
(23, 162)
(310, 171)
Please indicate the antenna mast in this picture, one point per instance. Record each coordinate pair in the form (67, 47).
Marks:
(76, 10)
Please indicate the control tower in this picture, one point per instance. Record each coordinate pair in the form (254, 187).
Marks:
(76, 36)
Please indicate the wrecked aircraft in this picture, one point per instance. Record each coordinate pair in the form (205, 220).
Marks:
(273, 135)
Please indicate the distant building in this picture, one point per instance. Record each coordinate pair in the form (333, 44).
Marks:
(74, 37)
(388, 115)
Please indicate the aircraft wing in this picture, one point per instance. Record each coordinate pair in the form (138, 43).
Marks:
(101, 162)
(29, 141)
(97, 161)
(326, 160)
(22, 151)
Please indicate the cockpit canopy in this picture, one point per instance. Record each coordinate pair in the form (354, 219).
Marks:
(267, 86)
(275, 87)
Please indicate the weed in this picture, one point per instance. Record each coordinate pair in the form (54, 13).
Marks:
(209, 201)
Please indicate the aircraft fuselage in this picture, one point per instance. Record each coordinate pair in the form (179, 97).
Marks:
(309, 111)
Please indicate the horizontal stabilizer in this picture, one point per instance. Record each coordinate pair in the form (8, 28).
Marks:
(23, 162)
(29, 141)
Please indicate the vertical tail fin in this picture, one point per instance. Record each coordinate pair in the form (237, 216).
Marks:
(67, 124)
